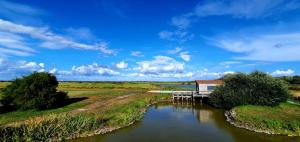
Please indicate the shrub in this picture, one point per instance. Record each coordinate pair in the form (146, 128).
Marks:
(256, 88)
(36, 91)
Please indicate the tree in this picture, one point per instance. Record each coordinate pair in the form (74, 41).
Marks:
(256, 88)
(36, 91)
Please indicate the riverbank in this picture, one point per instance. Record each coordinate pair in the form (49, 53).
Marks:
(100, 108)
(281, 120)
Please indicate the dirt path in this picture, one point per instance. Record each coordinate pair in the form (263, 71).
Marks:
(100, 105)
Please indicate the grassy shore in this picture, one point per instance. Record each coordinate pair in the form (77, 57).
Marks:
(283, 119)
(93, 108)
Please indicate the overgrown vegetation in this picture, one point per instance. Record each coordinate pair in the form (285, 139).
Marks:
(256, 88)
(52, 127)
(36, 91)
(98, 105)
(281, 119)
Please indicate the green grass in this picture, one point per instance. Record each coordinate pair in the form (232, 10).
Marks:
(20, 115)
(122, 115)
(107, 85)
(51, 127)
(282, 119)
(107, 104)
(3, 84)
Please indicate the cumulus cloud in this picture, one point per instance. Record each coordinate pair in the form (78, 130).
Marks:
(10, 69)
(19, 34)
(122, 65)
(93, 69)
(160, 64)
(185, 56)
(287, 72)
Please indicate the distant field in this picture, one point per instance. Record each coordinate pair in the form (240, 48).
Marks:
(296, 93)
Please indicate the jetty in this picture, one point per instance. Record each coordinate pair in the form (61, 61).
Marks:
(184, 95)
(203, 90)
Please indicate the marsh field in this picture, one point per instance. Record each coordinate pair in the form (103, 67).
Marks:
(105, 105)
(100, 107)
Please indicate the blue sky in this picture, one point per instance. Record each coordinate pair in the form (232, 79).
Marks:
(128, 40)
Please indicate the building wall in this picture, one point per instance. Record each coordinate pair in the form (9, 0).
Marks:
(204, 87)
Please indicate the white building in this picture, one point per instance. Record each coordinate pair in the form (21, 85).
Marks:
(206, 86)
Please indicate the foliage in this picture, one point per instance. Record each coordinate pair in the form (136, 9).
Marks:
(256, 88)
(51, 127)
(36, 91)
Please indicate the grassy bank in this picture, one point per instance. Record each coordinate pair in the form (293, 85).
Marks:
(93, 108)
(283, 119)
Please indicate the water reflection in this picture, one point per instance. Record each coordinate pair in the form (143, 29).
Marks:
(185, 121)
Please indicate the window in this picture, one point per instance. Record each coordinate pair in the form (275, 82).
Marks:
(210, 88)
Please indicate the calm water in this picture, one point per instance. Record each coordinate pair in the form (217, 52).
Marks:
(184, 123)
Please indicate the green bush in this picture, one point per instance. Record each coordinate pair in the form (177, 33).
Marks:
(36, 91)
(256, 88)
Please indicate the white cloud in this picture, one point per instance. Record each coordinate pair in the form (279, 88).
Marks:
(160, 64)
(122, 65)
(20, 12)
(136, 54)
(263, 47)
(19, 34)
(165, 35)
(80, 33)
(10, 69)
(53, 71)
(228, 72)
(161, 75)
(205, 74)
(287, 72)
(179, 35)
(244, 8)
(93, 69)
(249, 9)
(174, 51)
(181, 22)
(185, 56)
(239, 9)
(229, 62)
(5, 52)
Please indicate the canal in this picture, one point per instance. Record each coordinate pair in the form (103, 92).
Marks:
(184, 122)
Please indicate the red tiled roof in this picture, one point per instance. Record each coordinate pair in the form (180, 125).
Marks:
(209, 81)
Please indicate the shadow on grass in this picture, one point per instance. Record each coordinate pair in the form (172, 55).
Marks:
(68, 101)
